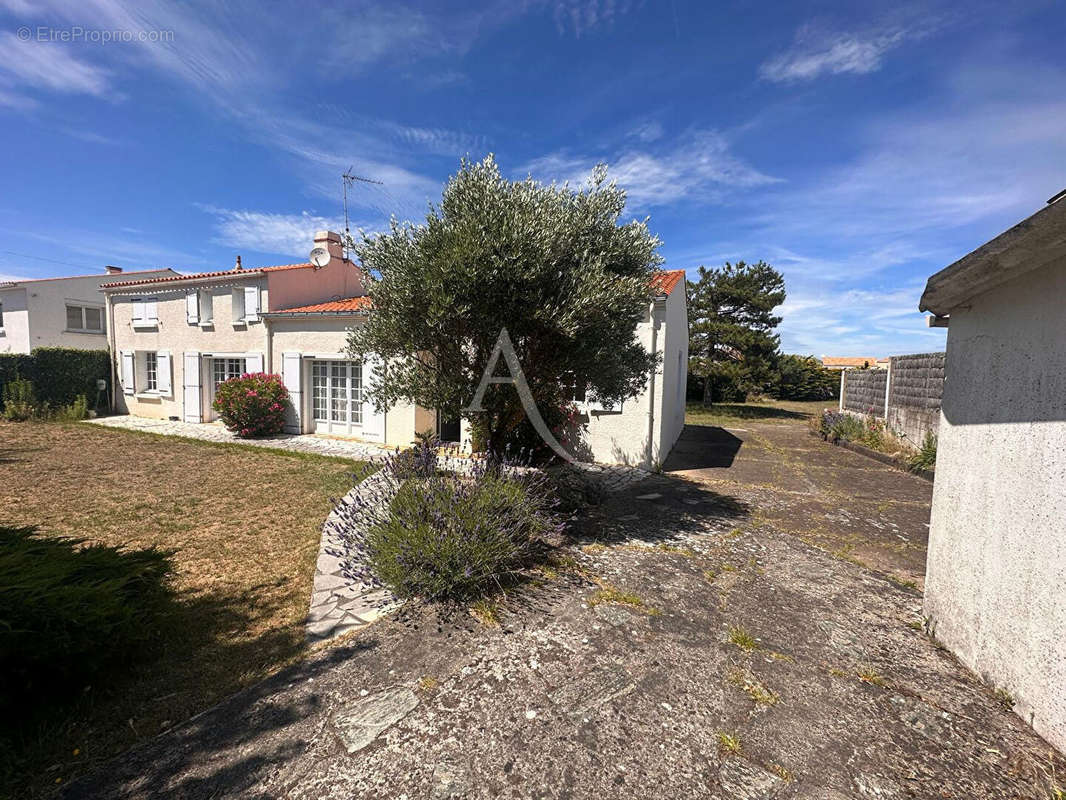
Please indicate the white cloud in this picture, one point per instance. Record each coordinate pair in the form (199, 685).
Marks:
(265, 232)
(817, 50)
(648, 131)
(48, 66)
(583, 16)
(696, 168)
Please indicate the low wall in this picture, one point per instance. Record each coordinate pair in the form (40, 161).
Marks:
(864, 391)
(907, 395)
(916, 388)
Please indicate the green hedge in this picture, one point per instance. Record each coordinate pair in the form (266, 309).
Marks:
(59, 374)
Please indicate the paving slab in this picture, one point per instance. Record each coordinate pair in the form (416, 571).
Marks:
(736, 657)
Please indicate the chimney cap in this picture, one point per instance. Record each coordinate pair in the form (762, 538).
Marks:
(112, 270)
(329, 236)
(237, 267)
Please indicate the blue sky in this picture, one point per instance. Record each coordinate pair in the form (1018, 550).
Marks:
(857, 147)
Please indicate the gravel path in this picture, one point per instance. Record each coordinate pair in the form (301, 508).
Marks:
(216, 432)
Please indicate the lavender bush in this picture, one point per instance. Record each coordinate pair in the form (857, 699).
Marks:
(425, 532)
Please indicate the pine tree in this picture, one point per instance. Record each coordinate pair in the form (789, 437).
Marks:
(732, 324)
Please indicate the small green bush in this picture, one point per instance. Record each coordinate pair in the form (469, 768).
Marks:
(459, 538)
(925, 458)
(72, 412)
(20, 400)
(70, 611)
(252, 404)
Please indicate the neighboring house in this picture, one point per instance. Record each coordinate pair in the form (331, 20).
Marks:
(178, 337)
(57, 312)
(838, 362)
(997, 539)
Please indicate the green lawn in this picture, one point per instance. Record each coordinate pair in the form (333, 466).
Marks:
(729, 414)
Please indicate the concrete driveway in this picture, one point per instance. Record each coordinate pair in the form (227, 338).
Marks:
(740, 627)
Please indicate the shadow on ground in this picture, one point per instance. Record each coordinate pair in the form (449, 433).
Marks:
(702, 447)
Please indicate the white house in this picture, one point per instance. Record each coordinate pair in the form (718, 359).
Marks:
(997, 539)
(58, 312)
(177, 337)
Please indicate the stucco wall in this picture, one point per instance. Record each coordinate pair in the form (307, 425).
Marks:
(327, 336)
(997, 550)
(16, 335)
(300, 287)
(43, 322)
(176, 334)
(648, 425)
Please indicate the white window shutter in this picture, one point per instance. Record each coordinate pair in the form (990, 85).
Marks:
(138, 311)
(373, 422)
(192, 398)
(207, 308)
(127, 372)
(163, 371)
(150, 310)
(253, 362)
(251, 303)
(292, 375)
(237, 306)
(192, 307)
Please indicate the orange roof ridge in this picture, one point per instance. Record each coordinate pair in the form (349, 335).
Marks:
(666, 281)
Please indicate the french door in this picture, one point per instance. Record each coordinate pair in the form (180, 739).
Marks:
(222, 369)
(337, 396)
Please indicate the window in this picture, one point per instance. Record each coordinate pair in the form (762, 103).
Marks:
(151, 372)
(85, 319)
(573, 389)
(226, 368)
(337, 395)
(1, 316)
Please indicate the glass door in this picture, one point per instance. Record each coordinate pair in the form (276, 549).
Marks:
(222, 369)
(337, 396)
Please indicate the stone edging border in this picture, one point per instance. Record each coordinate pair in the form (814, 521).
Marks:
(884, 458)
(337, 604)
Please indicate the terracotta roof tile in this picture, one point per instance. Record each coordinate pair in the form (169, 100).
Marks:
(198, 275)
(847, 361)
(666, 282)
(334, 306)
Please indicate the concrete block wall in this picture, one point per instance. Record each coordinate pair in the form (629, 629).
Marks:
(915, 392)
(907, 395)
(864, 391)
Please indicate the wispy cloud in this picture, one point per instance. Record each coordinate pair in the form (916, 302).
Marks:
(817, 51)
(696, 167)
(582, 16)
(48, 66)
(265, 232)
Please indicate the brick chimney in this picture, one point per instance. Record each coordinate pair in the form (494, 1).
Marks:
(110, 270)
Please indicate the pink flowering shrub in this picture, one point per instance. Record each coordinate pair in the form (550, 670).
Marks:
(253, 404)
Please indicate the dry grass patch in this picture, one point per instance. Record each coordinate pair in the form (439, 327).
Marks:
(245, 522)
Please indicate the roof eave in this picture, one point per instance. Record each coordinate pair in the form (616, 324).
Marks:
(108, 288)
(294, 314)
(1032, 243)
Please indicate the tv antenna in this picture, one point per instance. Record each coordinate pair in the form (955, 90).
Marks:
(349, 183)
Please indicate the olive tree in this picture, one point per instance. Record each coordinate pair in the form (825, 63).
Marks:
(551, 264)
